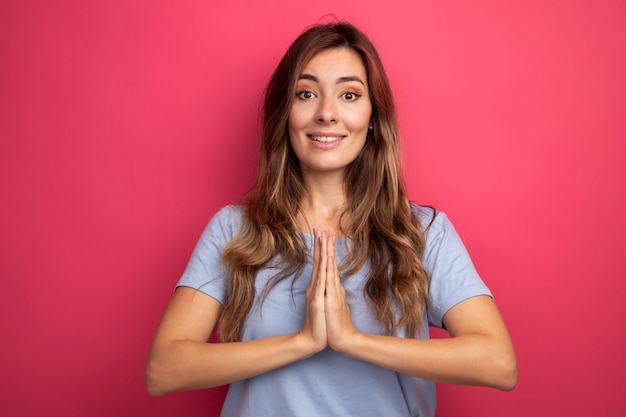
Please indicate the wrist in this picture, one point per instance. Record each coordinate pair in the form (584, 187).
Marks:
(305, 345)
(349, 344)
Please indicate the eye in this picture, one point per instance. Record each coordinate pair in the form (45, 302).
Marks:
(304, 95)
(350, 96)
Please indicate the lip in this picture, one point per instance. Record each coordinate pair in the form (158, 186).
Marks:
(325, 140)
(322, 133)
(325, 137)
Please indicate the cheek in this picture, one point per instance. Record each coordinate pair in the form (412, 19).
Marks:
(360, 117)
(294, 122)
(358, 120)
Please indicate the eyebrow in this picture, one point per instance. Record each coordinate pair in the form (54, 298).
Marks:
(340, 80)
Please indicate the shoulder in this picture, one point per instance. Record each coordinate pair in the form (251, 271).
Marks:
(229, 217)
(439, 232)
(230, 214)
(205, 271)
(224, 224)
(431, 219)
(453, 277)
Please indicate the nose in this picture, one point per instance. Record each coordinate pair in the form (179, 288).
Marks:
(326, 111)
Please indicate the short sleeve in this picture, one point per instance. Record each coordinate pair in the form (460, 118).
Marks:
(205, 271)
(453, 277)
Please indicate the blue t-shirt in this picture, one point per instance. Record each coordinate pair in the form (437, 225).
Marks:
(329, 383)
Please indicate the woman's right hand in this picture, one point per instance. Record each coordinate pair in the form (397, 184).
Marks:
(181, 359)
(314, 327)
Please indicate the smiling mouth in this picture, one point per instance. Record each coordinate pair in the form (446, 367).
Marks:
(325, 139)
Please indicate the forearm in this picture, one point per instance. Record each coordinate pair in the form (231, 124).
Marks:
(466, 360)
(187, 364)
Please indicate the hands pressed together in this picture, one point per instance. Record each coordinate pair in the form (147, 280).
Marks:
(478, 353)
(327, 321)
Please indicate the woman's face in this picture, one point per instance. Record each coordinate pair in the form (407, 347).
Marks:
(330, 115)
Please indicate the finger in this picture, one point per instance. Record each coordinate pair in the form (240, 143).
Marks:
(322, 259)
(316, 250)
(332, 272)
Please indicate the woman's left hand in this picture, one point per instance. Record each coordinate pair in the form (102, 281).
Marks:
(339, 325)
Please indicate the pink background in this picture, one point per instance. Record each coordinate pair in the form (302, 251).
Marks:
(125, 125)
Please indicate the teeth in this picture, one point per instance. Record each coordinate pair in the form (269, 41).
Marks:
(325, 138)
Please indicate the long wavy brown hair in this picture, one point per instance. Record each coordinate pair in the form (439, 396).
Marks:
(383, 229)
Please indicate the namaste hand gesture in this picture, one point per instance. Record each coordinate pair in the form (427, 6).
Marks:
(327, 321)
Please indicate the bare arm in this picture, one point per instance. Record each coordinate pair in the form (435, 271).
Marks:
(181, 359)
(479, 352)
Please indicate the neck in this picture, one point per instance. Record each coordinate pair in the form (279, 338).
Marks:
(324, 204)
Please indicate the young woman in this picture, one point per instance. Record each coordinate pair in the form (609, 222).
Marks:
(325, 281)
